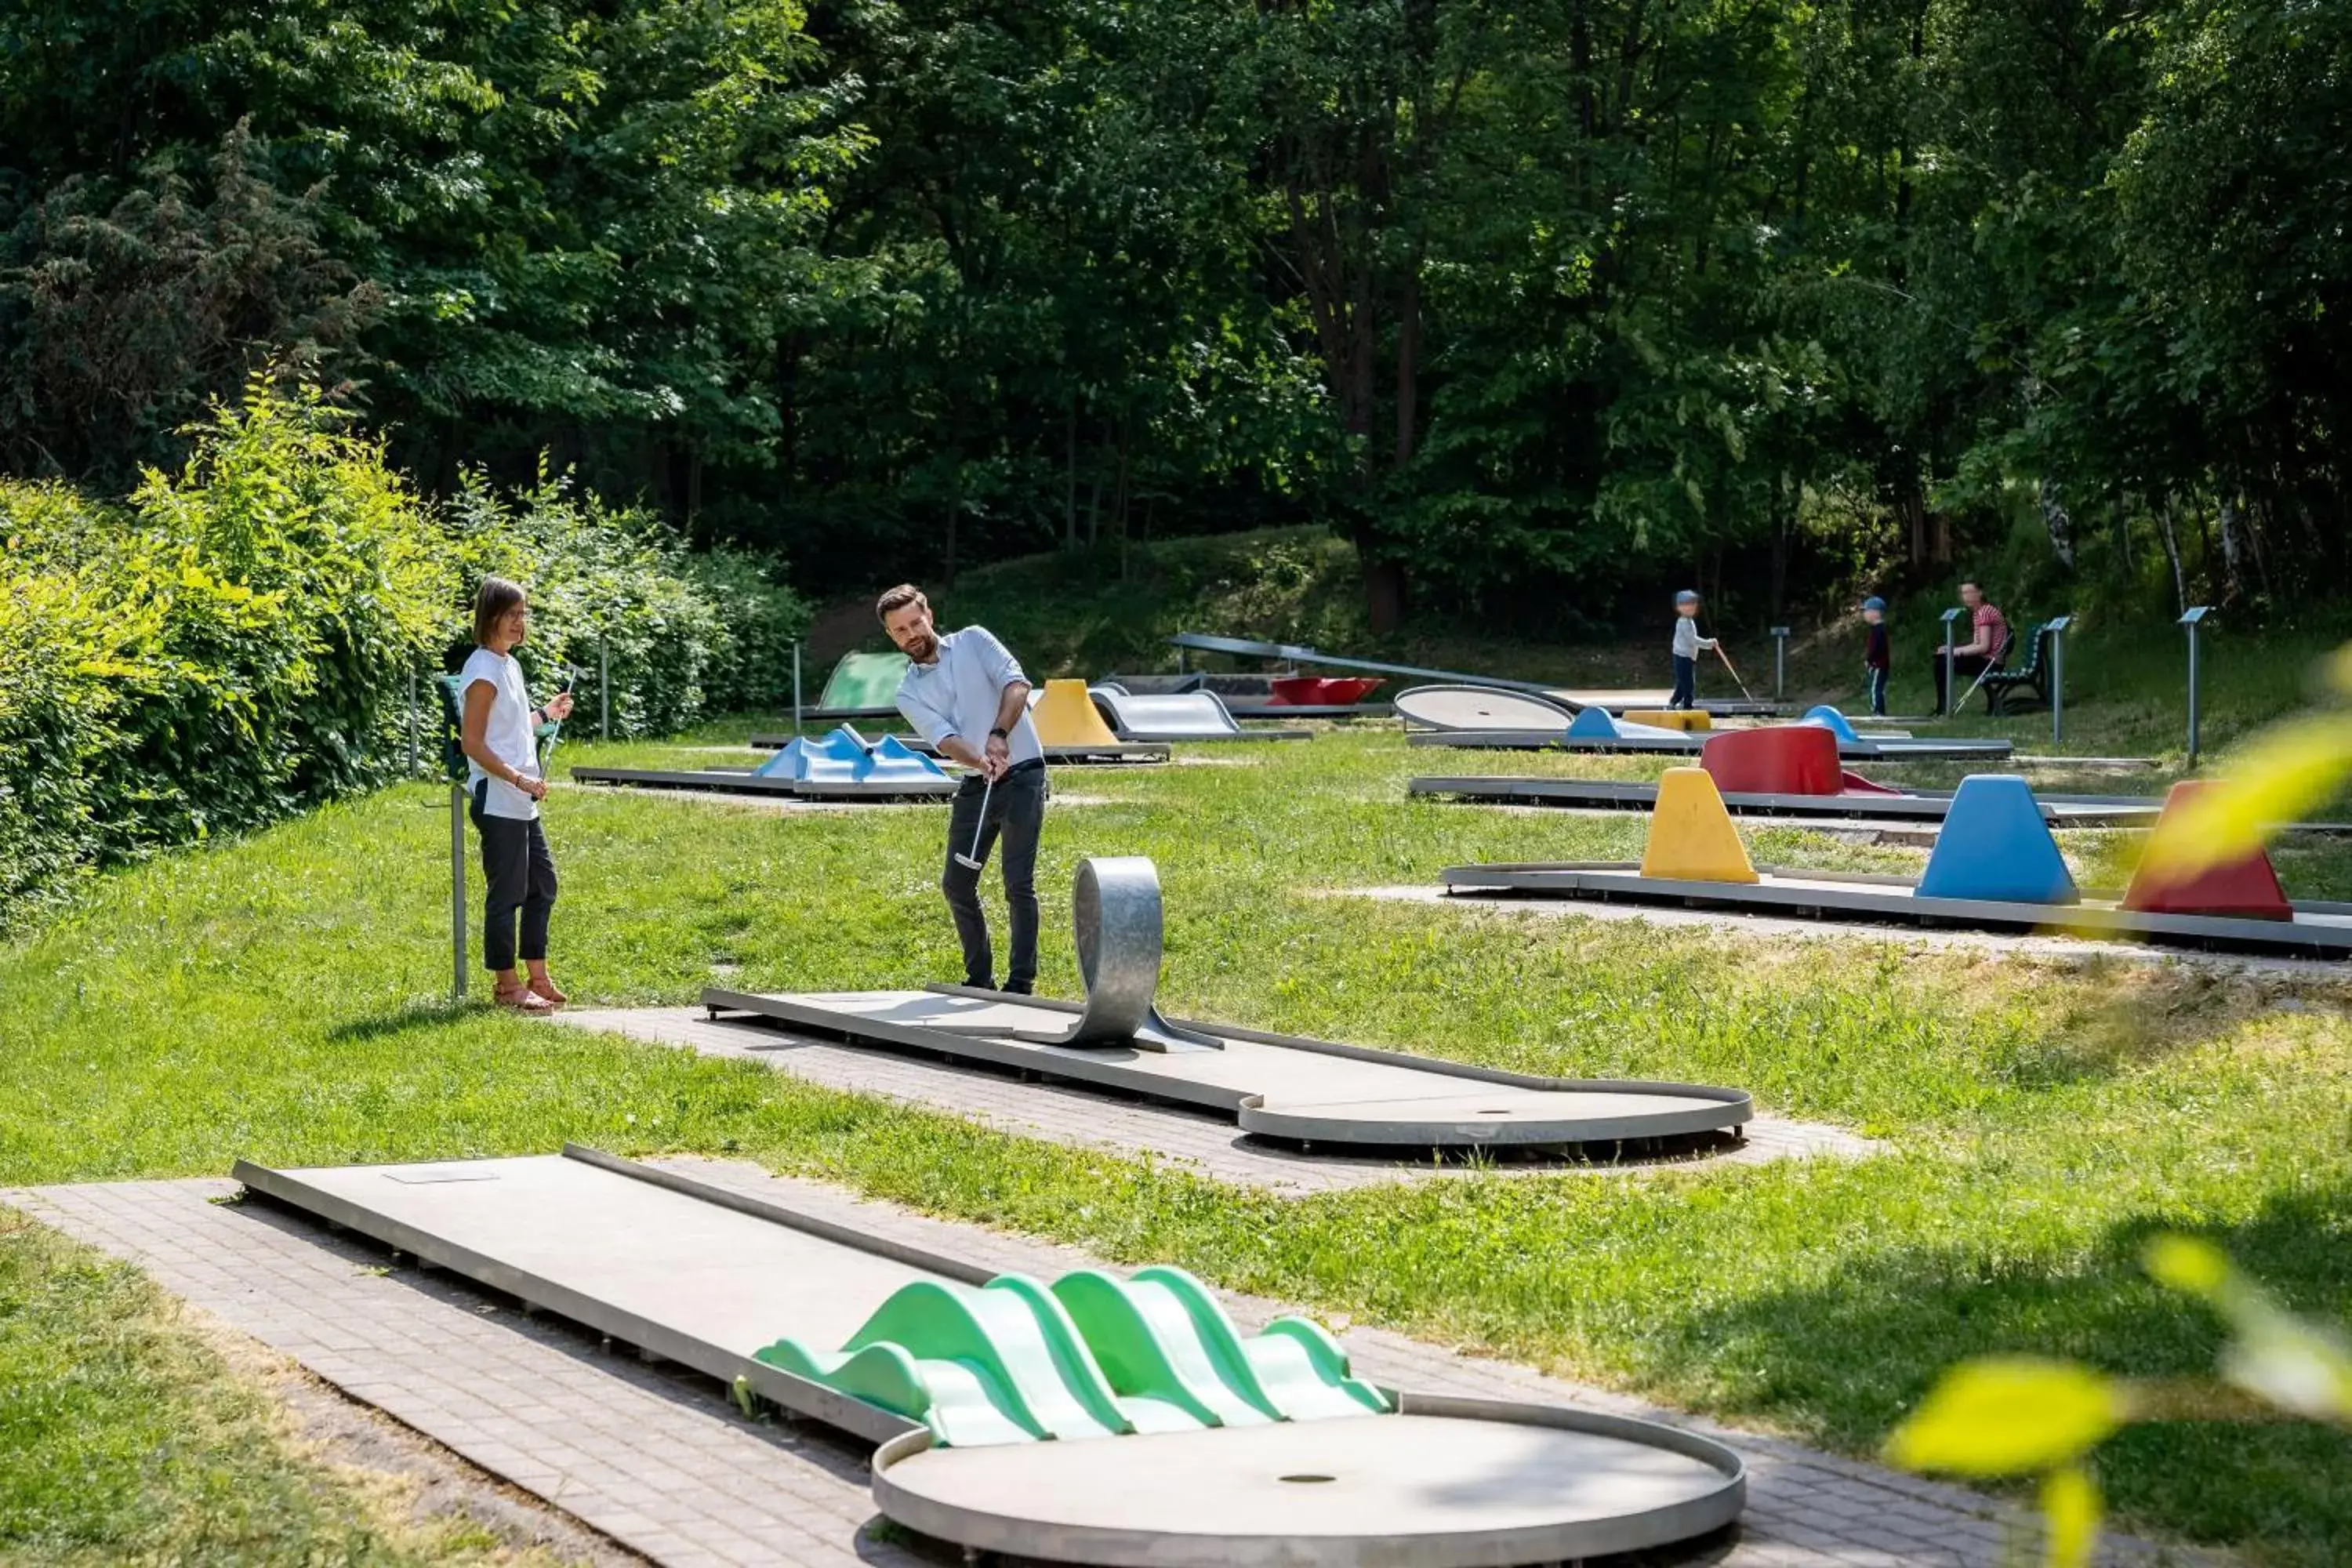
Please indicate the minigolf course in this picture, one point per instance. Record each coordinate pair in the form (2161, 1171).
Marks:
(1995, 866)
(841, 766)
(1094, 1419)
(1595, 729)
(1784, 770)
(1298, 1091)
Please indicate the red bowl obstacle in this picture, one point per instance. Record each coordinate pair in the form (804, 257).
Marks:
(1782, 759)
(1322, 690)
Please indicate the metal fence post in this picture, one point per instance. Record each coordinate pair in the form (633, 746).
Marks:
(603, 692)
(412, 722)
(2058, 676)
(796, 686)
(1945, 708)
(457, 889)
(2190, 620)
(1780, 661)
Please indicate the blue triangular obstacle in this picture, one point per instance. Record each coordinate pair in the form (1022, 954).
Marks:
(1996, 846)
(789, 762)
(1593, 724)
(1830, 719)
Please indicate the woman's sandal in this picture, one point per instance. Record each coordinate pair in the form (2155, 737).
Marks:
(523, 999)
(546, 992)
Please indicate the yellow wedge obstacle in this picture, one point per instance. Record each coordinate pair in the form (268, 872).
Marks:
(1691, 836)
(1670, 719)
(1065, 716)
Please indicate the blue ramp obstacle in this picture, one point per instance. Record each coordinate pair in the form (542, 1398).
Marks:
(1830, 719)
(1995, 846)
(845, 757)
(1593, 724)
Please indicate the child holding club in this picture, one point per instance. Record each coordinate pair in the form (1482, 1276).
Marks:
(1688, 645)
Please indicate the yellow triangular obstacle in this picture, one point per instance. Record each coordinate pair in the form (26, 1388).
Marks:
(1065, 716)
(1670, 718)
(1691, 836)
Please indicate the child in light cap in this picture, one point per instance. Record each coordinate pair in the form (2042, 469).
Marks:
(1688, 645)
(1875, 659)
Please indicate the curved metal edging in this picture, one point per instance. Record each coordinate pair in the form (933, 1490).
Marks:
(980, 1531)
(1119, 926)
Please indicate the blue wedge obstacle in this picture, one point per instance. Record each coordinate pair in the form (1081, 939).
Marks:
(847, 757)
(1995, 846)
(1593, 724)
(1830, 719)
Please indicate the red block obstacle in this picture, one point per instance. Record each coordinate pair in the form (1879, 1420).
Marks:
(1322, 690)
(1782, 758)
(2247, 889)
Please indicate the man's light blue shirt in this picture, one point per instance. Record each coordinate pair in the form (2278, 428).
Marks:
(959, 694)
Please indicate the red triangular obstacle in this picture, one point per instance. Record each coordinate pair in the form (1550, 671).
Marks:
(2247, 889)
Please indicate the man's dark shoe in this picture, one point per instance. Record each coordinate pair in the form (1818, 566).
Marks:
(982, 984)
(1020, 988)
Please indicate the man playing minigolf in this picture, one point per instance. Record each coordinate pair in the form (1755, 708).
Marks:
(966, 694)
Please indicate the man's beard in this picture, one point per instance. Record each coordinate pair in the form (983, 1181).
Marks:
(923, 649)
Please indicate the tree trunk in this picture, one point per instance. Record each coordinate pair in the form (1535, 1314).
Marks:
(2234, 550)
(2059, 521)
(2166, 522)
(1070, 477)
(1914, 507)
(1384, 595)
(955, 515)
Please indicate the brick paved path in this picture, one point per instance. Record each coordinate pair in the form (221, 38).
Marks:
(661, 1463)
(1206, 1142)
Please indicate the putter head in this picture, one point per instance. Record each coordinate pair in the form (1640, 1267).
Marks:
(967, 863)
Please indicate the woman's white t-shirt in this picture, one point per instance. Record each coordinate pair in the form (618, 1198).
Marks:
(509, 735)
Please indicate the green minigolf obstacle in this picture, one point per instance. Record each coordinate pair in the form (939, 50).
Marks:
(1005, 1348)
(1093, 1356)
(1163, 1336)
(864, 680)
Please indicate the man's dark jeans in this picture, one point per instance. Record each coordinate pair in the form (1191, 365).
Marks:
(1016, 813)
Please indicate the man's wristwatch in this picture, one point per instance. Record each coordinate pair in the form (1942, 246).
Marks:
(1000, 734)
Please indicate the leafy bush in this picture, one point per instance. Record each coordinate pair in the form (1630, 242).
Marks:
(681, 635)
(751, 666)
(238, 642)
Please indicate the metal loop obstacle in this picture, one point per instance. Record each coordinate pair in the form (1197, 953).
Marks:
(1116, 912)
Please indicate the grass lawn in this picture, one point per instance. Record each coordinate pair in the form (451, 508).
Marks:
(282, 998)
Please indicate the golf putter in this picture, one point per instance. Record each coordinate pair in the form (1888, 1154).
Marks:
(1735, 673)
(971, 861)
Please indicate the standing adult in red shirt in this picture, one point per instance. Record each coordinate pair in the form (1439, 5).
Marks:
(1987, 643)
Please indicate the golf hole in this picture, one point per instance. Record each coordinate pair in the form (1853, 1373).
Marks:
(1307, 1480)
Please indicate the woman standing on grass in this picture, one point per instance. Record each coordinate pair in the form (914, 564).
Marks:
(501, 745)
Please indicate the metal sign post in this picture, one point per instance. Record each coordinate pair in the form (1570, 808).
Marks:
(2196, 614)
(1780, 661)
(457, 889)
(796, 687)
(604, 690)
(413, 721)
(1954, 614)
(2058, 676)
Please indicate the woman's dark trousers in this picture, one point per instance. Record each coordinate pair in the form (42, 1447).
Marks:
(521, 874)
